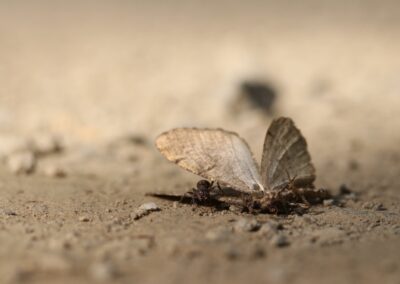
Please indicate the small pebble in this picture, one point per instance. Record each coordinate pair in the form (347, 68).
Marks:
(21, 162)
(8, 212)
(269, 229)
(328, 202)
(257, 252)
(367, 205)
(144, 210)
(46, 143)
(344, 189)
(218, 234)
(396, 230)
(247, 225)
(84, 219)
(328, 236)
(380, 207)
(150, 206)
(279, 240)
(103, 271)
(54, 171)
(59, 244)
(235, 208)
(232, 253)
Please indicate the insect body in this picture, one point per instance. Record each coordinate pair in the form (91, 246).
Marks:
(223, 156)
(204, 191)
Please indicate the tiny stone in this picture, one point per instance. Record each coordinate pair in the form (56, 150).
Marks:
(218, 234)
(59, 244)
(351, 196)
(103, 271)
(308, 219)
(328, 202)
(232, 253)
(269, 229)
(144, 210)
(150, 206)
(328, 236)
(54, 171)
(235, 208)
(396, 231)
(258, 252)
(279, 240)
(9, 213)
(84, 219)
(46, 143)
(22, 162)
(380, 207)
(172, 246)
(54, 263)
(367, 205)
(344, 189)
(247, 225)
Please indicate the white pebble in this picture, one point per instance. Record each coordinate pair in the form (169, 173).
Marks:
(53, 171)
(84, 219)
(150, 206)
(279, 240)
(103, 271)
(247, 225)
(46, 143)
(22, 162)
(144, 210)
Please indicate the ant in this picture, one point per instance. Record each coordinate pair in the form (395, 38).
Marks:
(202, 192)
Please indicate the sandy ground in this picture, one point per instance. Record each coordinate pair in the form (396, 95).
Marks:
(106, 79)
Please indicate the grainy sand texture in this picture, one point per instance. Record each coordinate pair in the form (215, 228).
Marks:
(86, 86)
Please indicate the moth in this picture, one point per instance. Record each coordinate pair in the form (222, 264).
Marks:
(286, 174)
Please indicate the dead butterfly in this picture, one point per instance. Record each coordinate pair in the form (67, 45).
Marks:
(223, 156)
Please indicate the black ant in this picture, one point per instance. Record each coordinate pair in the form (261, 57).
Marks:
(202, 192)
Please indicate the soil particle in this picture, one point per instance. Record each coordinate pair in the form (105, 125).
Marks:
(235, 208)
(8, 212)
(279, 240)
(328, 202)
(246, 225)
(22, 162)
(344, 189)
(371, 205)
(219, 234)
(84, 219)
(145, 209)
(232, 253)
(328, 236)
(103, 271)
(51, 262)
(53, 171)
(46, 143)
(269, 229)
(257, 252)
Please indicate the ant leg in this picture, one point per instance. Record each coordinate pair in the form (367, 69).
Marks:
(186, 195)
(220, 188)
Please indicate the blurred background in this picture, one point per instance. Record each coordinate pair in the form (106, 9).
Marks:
(91, 71)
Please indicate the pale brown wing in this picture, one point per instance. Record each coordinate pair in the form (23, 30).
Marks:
(214, 154)
(285, 156)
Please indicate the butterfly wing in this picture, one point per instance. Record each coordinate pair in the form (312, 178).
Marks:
(285, 156)
(214, 154)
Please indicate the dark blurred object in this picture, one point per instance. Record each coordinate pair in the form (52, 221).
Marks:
(255, 95)
(344, 189)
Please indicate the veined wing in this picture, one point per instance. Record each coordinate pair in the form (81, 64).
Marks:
(285, 156)
(214, 154)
